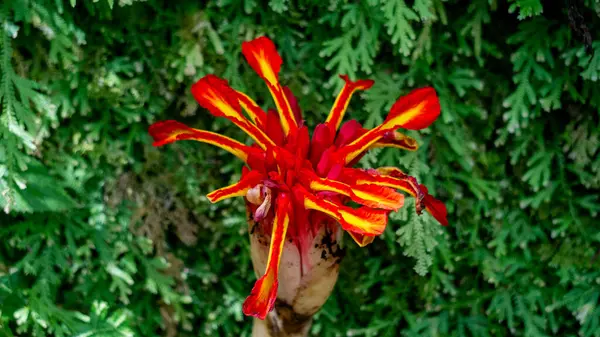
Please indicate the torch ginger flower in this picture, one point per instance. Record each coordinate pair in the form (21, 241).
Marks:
(294, 184)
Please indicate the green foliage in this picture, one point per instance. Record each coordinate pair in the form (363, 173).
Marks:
(103, 235)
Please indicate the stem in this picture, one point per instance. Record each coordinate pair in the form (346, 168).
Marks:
(282, 322)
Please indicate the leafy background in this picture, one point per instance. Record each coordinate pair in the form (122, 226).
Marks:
(103, 235)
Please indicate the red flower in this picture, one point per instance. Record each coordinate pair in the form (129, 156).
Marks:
(296, 183)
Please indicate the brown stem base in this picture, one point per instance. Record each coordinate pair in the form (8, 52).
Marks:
(282, 322)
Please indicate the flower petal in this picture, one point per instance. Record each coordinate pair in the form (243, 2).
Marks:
(349, 132)
(293, 103)
(238, 189)
(256, 114)
(360, 144)
(369, 195)
(262, 56)
(321, 140)
(169, 131)
(394, 178)
(361, 240)
(415, 111)
(363, 220)
(263, 294)
(215, 95)
(435, 207)
(343, 99)
(397, 140)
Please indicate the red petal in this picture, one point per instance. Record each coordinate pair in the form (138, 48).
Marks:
(415, 111)
(363, 220)
(321, 140)
(397, 140)
(361, 240)
(349, 132)
(238, 189)
(273, 128)
(293, 103)
(343, 99)
(264, 293)
(262, 56)
(169, 131)
(214, 94)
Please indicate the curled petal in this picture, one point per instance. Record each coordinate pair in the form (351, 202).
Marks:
(397, 140)
(215, 95)
(169, 131)
(262, 56)
(263, 294)
(435, 207)
(361, 240)
(255, 195)
(397, 179)
(265, 206)
(238, 189)
(343, 99)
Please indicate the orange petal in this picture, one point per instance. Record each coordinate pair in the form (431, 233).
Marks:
(238, 189)
(394, 178)
(343, 99)
(363, 220)
(262, 56)
(415, 111)
(169, 131)
(215, 95)
(361, 144)
(368, 195)
(397, 140)
(361, 240)
(263, 294)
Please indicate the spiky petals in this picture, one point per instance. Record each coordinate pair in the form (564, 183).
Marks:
(169, 131)
(363, 220)
(397, 140)
(343, 99)
(368, 195)
(262, 56)
(263, 295)
(215, 95)
(238, 189)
